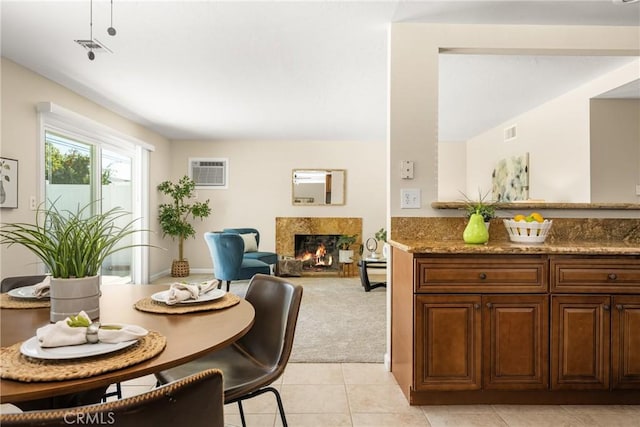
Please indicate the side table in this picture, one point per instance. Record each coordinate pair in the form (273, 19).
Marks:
(364, 275)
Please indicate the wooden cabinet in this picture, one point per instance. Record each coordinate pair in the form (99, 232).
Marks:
(488, 328)
(448, 346)
(515, 333)
(580, 342)
(625, 342)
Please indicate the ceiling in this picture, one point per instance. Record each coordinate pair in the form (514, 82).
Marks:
(272, 70)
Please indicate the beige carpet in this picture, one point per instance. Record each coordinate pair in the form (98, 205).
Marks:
(338, 321)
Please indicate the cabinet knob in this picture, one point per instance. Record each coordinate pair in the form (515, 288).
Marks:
(606, 307)
(619, 307)
(489, 305)
(483, 276)
(476, 306)
(612, 276)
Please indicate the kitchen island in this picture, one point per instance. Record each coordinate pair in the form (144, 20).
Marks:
(552, 323)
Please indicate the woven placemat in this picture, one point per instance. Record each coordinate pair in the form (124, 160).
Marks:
(6, 301)
(151, 306)
(15, 366)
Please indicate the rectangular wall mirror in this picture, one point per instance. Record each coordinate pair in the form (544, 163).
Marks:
(318, 187)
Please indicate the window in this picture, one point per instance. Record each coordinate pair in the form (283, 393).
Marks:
(85, 163)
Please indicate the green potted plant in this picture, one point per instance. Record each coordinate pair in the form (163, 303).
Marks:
(345, 253)
(175, 217)
(482, 206)
(73, 246)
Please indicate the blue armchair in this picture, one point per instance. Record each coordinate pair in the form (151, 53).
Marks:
(270, 258)
(227, 250)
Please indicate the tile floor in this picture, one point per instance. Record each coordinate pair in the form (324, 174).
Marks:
(365, 394)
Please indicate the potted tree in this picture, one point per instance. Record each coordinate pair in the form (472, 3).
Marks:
(72, 246)
(345, 253)
(175, 216)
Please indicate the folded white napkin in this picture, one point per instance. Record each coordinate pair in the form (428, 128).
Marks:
(41, 290)
(60, 334)
(183, 291)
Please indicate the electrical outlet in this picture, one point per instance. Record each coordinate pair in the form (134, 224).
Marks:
(32, 203)
(410, 198)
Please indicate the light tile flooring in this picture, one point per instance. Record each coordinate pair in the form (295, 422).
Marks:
(365, 394)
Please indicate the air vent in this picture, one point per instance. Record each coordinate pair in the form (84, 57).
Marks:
(93, 45)
(209, 173)
(510, 133)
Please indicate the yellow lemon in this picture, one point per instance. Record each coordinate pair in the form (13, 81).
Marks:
(518, 217)
(536, 216)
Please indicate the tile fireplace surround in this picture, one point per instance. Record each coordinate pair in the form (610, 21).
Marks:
(288, 227)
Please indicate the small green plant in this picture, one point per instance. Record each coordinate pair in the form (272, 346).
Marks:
(175, 216)
(71, 244)
(345, 241)
(381, 235)
(481, 206)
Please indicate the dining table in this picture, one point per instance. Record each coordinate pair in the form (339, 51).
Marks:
(186, 336)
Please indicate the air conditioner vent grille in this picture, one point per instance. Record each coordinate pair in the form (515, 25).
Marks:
(209, 173)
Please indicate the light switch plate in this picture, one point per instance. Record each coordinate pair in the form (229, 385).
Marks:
(410, 198)
(638, 190)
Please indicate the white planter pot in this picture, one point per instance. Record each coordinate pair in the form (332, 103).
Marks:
(345, 256)
(71, 296)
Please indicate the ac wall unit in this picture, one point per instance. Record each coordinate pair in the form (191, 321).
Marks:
(209, 173)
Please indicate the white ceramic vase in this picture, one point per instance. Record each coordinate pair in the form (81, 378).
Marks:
(71, 296)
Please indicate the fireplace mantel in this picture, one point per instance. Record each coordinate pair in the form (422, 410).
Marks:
(288, 227)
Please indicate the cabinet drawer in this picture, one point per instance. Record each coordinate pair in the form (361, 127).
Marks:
(595, 275)
(481, 274)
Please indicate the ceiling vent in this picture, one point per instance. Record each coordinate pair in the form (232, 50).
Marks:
(93, 45)
(510, 133)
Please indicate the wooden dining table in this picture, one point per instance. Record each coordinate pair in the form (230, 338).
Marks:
(188, 336)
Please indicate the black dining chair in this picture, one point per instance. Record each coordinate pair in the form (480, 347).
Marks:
(9, 283)
(257, 359)
(194, 401)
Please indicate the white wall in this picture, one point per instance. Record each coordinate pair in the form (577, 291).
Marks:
(615, 150)
(21, 90)
(260, 186)
(452, 171)
(413, 97)
(556, 135)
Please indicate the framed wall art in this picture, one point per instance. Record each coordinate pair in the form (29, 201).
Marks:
(8, 183)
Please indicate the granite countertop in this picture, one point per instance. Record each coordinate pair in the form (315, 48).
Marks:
(458, 246)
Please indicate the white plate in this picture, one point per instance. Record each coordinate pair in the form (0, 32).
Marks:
(209, 296)
(25, 292)
(32, 348)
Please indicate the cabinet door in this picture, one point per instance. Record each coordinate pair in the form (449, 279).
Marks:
(515, 337)
(448, 351)
(580, 342)
(625, 342)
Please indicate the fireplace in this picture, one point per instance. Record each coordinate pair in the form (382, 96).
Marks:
(318, 252)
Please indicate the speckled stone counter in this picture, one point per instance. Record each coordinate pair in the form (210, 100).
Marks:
(597, 236)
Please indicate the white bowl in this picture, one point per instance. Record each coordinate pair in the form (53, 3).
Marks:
(527, 232)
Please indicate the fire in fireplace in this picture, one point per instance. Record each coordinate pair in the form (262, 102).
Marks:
(317, 252)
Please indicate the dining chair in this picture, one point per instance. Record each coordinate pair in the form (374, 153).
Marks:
(9, 283)
(196, 401)
(227, 255)
(255, 361)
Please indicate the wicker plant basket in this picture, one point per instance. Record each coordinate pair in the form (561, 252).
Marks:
(180, 268)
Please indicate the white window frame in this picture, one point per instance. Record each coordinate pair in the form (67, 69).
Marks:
(57, 119)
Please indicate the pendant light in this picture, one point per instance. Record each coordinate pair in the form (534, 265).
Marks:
(91, 55)
(111, 31)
